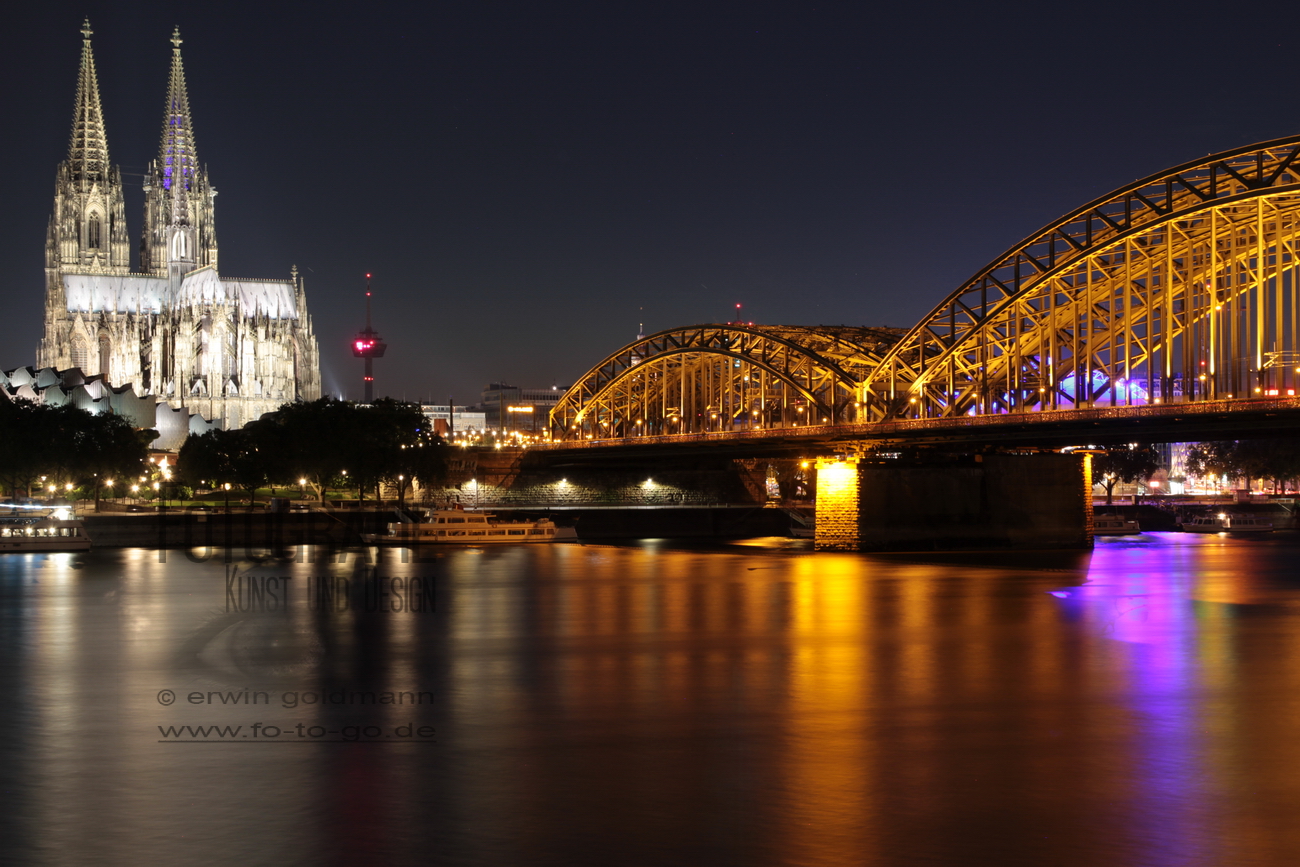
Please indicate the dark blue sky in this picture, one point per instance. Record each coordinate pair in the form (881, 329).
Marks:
(528, 181)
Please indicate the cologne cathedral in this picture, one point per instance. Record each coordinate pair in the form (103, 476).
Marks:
(226, 349)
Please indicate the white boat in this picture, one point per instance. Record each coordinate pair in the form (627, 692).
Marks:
(1227, 523)
(56, 530)
(1114, 525)
(457, 527)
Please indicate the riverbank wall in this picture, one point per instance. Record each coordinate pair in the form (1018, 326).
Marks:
(286, 530)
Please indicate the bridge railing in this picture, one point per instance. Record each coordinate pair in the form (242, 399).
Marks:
(891, 428)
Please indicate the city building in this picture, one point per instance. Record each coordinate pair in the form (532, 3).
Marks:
(229, 349)
(447, 422)
(509, 407)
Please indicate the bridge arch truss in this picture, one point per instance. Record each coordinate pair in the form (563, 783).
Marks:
(1179, 287)
(709, 378)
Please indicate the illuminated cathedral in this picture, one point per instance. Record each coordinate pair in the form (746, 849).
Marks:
(227, 349)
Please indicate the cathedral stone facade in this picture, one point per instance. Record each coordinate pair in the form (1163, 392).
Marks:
(227, 349)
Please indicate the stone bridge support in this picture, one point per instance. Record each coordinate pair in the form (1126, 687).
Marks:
(983, 501)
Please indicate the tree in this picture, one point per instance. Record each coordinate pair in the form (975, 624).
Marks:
(401, 447)
(1275, 459)
(28, 432)
(1213, 459)
(313, 440)
(106, 449)
(1124, 464)
(321, 442)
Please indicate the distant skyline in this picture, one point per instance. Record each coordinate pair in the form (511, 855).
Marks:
(529, 183)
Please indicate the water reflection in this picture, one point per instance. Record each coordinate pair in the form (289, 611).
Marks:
(656, 703)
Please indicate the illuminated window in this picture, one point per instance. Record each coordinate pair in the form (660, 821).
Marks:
(92, 232)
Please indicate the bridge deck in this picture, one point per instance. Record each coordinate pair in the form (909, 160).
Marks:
(1174, 422)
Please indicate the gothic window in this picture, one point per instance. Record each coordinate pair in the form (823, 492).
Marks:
(92, 232)
(105, 353)
(229, 359)
(80, 358)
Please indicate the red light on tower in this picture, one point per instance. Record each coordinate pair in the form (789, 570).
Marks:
(368, 345)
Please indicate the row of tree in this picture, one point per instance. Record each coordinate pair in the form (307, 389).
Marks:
(1275, 460)
(323, 444)
(57, 446)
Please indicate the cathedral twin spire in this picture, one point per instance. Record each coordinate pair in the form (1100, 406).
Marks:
(178, 234)
(88, 151)
(87, 230)
(174, 333)
(178, 155)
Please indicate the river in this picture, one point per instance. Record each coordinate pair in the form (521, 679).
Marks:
(654, 703)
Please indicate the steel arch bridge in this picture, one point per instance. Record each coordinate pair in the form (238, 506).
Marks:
(1178, 288)
(724, 377)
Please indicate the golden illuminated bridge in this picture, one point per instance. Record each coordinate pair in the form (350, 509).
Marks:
(1170, 304)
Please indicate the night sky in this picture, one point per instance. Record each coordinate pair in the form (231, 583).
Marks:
(529, 181)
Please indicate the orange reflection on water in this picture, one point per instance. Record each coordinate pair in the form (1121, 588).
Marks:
(826, 760)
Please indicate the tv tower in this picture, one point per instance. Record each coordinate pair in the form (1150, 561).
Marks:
(368, 345)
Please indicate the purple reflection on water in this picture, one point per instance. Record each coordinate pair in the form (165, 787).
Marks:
(1140, 594)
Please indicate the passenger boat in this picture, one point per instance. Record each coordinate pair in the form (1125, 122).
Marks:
(457, 527)
(1114, 525)
(57, 530)
(1226, 523)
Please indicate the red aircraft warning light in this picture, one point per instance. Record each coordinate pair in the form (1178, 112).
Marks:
(368, 345)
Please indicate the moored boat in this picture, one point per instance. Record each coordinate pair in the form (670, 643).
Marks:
(457, 527)
(56, 530)
(1224, 522)
(1114, 525)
